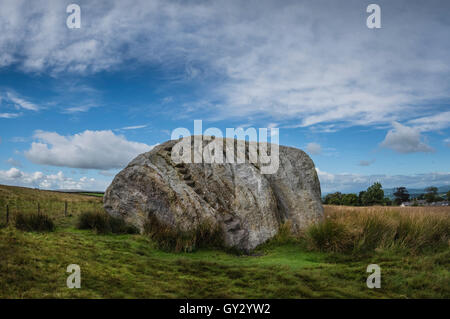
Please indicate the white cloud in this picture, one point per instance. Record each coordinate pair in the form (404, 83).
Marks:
(9, 115)
(89, 150)
(107, 173)
(136, 127)
(355, 182)
(366, 163)
(167, 99)
(404, 139)
(15, 163)
(38, 179)
(447, 142)
(18, 139)
(82, 108)
(12, 173)
(306, 62)
(431, 123)
(9, 100)
(21, 103)
(313, 149)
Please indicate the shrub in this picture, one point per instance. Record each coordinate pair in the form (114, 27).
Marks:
(96, 221)
(171, 239)
(102, 223)
(284, 236)
(119, 226)
(327, 235)
(34, 222)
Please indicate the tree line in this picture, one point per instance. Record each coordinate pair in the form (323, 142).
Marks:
(374, 195)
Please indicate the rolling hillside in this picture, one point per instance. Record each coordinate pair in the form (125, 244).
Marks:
(33, 264)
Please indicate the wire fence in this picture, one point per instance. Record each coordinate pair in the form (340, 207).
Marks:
(53, 208)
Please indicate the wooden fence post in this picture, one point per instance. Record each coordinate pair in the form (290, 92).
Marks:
(65, 209)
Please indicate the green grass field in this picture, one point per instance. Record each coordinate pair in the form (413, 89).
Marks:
(33, 265)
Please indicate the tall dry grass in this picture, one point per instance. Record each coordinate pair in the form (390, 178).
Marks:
(365, 229)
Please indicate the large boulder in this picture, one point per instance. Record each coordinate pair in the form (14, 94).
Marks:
(248, 205)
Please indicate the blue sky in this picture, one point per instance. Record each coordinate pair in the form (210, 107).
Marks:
(76, 105)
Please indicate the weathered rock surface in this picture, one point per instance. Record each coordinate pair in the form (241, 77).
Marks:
(248, 205)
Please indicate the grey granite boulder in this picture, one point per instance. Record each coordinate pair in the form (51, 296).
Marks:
(248, 205)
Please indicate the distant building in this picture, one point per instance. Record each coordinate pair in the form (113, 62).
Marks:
(422, 202)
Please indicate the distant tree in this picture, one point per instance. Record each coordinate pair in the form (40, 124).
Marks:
(374, 195)
(387, 201)
(350, 200)
(431, 195)
(360, 198)
(333, 199)
(448, 195)
(432, 189)
(401, 195)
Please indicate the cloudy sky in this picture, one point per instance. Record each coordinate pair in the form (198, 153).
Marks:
(76, 105)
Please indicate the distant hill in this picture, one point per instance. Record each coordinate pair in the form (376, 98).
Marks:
(389, 192)
(77, 191)
(80, 192)
(413, 192)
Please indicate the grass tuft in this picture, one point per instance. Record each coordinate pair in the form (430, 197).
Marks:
(328, 235)
(34, 222)
(104, 224)
(94, 220)
(119, 226)
(170, 239)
